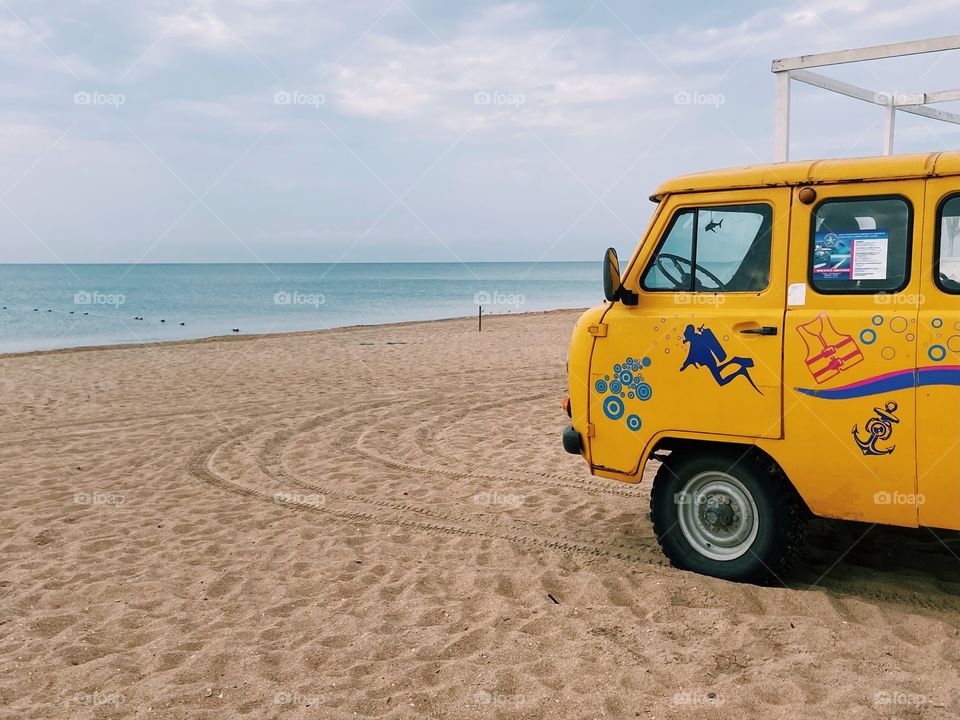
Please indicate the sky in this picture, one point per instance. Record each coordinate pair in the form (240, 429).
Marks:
(411, 130)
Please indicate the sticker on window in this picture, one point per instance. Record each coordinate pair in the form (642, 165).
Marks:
(858, 255)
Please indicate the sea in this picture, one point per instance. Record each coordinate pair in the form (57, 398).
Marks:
(46, 307)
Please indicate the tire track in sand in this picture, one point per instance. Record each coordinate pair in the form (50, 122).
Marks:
(382, 513)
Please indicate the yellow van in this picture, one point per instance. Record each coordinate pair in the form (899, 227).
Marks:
(786, 339)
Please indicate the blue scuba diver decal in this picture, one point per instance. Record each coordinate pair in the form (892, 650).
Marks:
(879, 427)
(624, 383)
(706, 351)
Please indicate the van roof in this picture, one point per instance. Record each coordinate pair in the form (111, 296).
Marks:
(813, 172)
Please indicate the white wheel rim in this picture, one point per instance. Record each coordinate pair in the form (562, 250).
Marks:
(717, 515)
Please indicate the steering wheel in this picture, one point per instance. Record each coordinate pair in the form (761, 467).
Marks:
(678, 265)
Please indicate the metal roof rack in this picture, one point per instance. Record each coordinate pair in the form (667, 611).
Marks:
(796, 68)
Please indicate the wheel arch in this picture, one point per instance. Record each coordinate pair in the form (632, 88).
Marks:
(662, 446)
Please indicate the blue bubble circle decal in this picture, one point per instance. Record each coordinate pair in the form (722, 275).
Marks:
(626, 377)
(617, 368)
(937, 353)
(868, 336)
(937, 322)
(615, 386)
(877, 320)
(601, 386)
(644, 391)
(646, 362)
(633, 422)
(631, 395)
(613, 408)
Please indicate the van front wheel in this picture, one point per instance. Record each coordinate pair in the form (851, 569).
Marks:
(723, 514)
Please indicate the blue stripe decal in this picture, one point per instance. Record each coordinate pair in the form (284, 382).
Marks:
(901, 380)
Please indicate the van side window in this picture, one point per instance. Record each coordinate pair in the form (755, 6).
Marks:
(724, 248)
(861, 245)
(947, 247)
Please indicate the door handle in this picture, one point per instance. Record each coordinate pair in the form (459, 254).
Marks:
(765, 330)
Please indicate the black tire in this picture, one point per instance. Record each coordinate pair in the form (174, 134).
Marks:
(687, 503)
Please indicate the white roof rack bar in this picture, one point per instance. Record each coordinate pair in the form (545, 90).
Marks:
(943, 96)
(875, 52)
(904, 102)
(930, 113)
(787, 69)
(837, 86)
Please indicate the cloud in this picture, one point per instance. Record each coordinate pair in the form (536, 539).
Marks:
(489, 75)
(12, 32)
(197, 26)
(762, 34)
(562, 103)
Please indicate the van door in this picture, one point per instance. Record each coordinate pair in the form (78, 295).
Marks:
(850, 351)
(701, 350)
(938, 371)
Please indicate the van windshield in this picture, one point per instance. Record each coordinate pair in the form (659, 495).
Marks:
(723, 248)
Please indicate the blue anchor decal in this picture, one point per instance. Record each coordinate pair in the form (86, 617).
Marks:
(878, 428)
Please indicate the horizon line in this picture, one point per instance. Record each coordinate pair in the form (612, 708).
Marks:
(306, 262)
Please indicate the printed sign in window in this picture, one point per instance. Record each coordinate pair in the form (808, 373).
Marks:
(869, 256)
(860, 255)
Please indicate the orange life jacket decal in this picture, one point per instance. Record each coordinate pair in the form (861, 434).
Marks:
(829, 351)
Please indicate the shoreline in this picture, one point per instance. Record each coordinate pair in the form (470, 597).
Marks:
(263, 336)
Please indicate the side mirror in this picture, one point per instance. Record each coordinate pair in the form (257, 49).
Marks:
(611, 275)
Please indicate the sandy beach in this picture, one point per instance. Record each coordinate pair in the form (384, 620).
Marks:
(381, 522)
